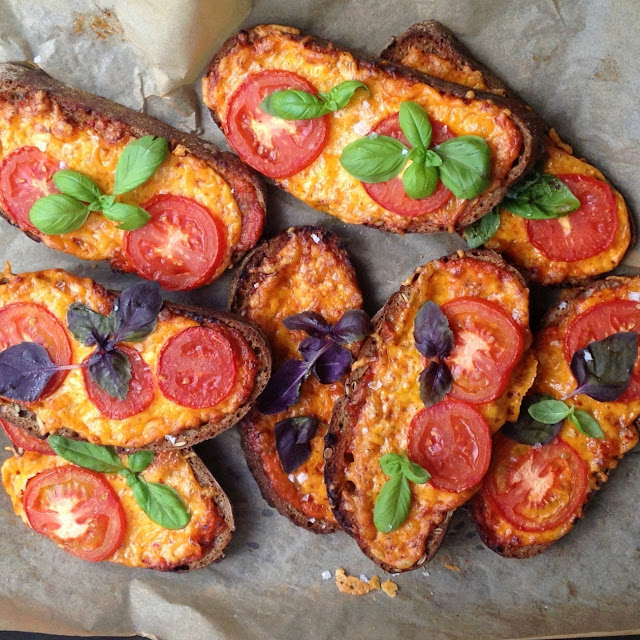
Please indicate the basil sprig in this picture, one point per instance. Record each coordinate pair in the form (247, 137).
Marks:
(551, 412)
(293, 440)
(294, 104)
(462, 163)
(394, 500)
(540, 196)
(478, 232)
(79, 195)
(163, 504)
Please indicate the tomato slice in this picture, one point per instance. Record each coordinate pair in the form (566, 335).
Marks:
(182, 245)
(487, 346)
(26, 174)
(452, 441)
(598, 323)
(141, 389)
(391, 194)
(29, 322)
(276, 148)
(536, 488)
(78, 509)
(587, 231)
(197, 367)
(25, 441)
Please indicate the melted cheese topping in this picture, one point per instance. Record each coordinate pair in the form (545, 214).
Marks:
(304, 275)
(393, 399)
(69, 406)
(324, 184)
(145, 543)
(38, 121)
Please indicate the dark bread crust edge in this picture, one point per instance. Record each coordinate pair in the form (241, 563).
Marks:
(81, 106)
(26, 420)
(348, 408)
(530, 126)
(239, 293)
(433, 37)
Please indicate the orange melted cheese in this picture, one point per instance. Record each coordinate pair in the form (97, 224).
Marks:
(69, 406)
(324, 184)
(616, 419)
(393, 398)
(145, 543)
(38, 121)
(304, 275)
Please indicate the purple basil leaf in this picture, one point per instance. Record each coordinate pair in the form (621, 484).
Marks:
(332, 364)
(135, 312)
(354, 326)
(526, 430)
(88, 326)
(283, 388)
(603, 369)
(292, 441)
(431, 331)
(111, 371)
(310, 348)
(310, 322)
(25, 371)
(435, 383)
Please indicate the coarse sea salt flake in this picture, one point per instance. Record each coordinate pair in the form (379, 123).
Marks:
(361, 128)
(326, 575)
(634, 295)
(364, 578)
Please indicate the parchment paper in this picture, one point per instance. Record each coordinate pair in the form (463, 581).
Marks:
(576, 62)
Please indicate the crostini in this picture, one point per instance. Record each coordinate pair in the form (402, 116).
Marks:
(410, 441)
(202, 208)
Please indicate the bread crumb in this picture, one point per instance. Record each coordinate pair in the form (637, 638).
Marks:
(390, 588)
(470, 95)
(374, 584)
(351, 584)
(452, 567)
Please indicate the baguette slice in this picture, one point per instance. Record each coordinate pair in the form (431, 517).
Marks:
(31, 101)
(324, 184)
(618, 420)
(382, 397)
(69, 412)
(432, 48)
(153, 547)
(300, 269)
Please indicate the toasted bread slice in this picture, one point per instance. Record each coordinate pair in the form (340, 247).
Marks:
(324, 184)
(300, 269)
(75, 128)
(383, 396)
(147, 544)
(598, 456)
(430, 47)
(161, 423)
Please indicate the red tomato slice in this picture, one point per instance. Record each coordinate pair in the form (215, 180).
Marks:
(487, 346)
(276, 148)
(25, 441)
(197, 367)
(180, 247)
(584, 233)
(452, 441)
(26, 174)
(29, 322)
(141, 389)
(598, 323)
(536, 488)
(391, 194)
(78, 509)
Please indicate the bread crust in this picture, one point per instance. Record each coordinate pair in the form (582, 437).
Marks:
(83, 108)
(528, 124)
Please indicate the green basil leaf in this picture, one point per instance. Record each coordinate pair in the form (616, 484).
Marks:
(587, 424)
(103, 202)
(541, 197)
(478, 232)
(526, 430)
(549, 411)
(419, 181)
(76, 185)
(138, 162)
(374, 158)
(129, 217)
(111, 371)
(57, 213)
(432, 159)
(414, 472)
(465, 169)
(293, 104)
(391, 463)
(415, 124)
(163, 504)
(417, 154)
(87, 455)
(338, 97)
(140, 460)
(392, 504)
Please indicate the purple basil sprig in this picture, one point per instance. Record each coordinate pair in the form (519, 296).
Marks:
(293, 437)
(435, 383)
